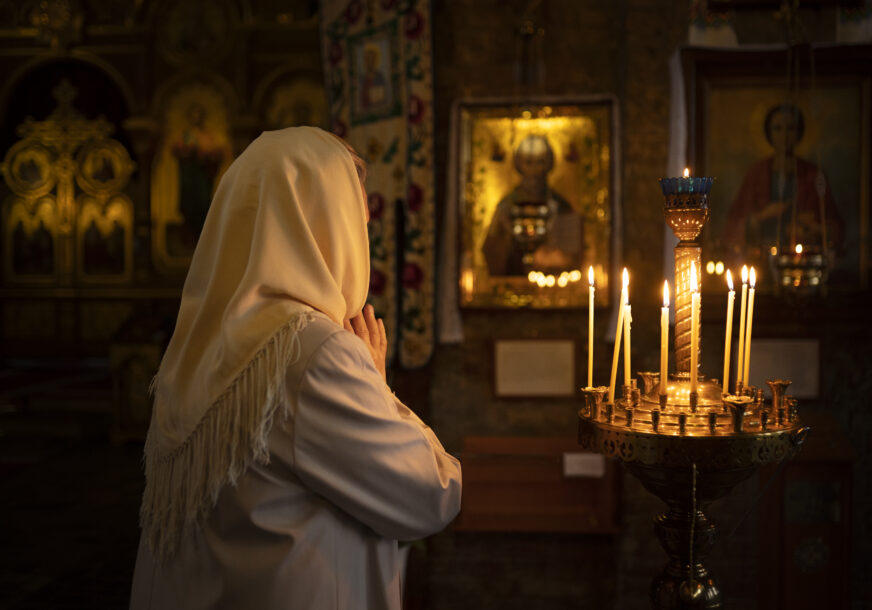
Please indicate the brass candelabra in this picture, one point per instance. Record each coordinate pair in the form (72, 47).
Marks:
(689, 449)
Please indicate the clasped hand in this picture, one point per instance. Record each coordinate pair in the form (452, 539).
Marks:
(372, 332)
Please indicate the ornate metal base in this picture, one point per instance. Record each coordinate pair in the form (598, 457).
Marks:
(674, 588)
(688, 452)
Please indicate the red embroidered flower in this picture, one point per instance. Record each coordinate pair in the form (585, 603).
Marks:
(412, 276)
(338, 128)
(335, 54)
(414, 24)
(417, 108)
(376, 203)
(353, 11)
(415, 197)
(377, 282)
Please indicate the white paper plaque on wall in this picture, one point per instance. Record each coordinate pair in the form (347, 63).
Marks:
(527, 368)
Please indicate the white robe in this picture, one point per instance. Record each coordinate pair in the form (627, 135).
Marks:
(352, 470)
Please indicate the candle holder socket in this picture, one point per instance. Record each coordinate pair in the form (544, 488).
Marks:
(758, 396)
(738, 406)
(792, 409)
(650, 379)
(593, 398)
(778, 387)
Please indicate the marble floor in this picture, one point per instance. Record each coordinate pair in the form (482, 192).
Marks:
(69, 524)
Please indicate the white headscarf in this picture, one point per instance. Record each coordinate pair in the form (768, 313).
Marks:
(285, 234)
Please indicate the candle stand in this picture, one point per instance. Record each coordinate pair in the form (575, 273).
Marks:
(689, 449)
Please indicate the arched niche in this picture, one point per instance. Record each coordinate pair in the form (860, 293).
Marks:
(28, 93)
(66, 168)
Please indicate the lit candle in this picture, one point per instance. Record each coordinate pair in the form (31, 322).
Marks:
(694, 329)
(687, 172)
(628, 318)
(731, 297)
(614, 375)
(747, 360)
(664, 337)
(743, 310)
(590, 327)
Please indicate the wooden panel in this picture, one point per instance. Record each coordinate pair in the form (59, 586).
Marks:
(805, 522)
(517, 484)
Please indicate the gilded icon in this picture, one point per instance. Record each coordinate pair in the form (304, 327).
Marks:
(375, 75)
(791, 162)
(193, 154)
(536, 194)
(67, 220)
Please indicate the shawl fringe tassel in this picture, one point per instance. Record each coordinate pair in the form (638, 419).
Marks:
(182, 486)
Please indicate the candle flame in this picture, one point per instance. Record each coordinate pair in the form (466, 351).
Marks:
(753, 277)
(798, 248)
(730, 280)
(744, 274)
(687, 172)
(626, 278)
(590, 275)
(665, 293)
(694, 286)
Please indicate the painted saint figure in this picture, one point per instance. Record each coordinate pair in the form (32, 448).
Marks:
(783, 198)
(200, 157)
(533, 227)
(373, 84)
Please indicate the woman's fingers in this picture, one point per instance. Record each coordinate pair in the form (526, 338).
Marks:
(382, 336)
(359, 326)
(371, 323)
(371, 331)
(347, 325)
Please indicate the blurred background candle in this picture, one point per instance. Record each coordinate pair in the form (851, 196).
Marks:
(617, 351)
(664, 337)
(742, 312)
(750, 319)
(590, 327)
(731, 297)
(694, 329)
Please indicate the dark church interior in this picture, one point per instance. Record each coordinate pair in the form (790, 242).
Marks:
(520, 154)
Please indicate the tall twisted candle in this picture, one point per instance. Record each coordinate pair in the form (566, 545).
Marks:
(742, 313)
(747, 361)
(731, 297)
(686, 211)
(694, 330)
(614, 375)
(664, 337)
(590, 327)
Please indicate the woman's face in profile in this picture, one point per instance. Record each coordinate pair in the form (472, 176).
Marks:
(782, 132)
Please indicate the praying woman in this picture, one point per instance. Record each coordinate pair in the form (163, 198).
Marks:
(280, 469)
